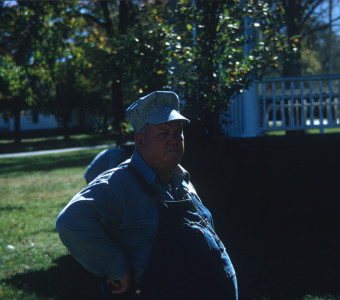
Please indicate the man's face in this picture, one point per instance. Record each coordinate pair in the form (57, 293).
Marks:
(162, 145)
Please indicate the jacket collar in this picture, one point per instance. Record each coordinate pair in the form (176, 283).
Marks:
(149, 174)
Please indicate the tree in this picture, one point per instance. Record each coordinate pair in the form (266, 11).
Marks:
(209, 61)
(112, 51)
(60, 61)
(296, 16)
(16, 48)
(35, 37)
(15, 92)
(303, 22)
(130, 35)
(325, 39)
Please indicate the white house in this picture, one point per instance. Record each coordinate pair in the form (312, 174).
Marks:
(40, 122)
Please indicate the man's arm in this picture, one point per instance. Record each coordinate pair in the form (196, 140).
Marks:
(81, 228)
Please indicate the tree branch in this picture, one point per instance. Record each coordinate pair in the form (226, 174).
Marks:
(322, 27)
(93, 19)
(108, 22)
(307, 16)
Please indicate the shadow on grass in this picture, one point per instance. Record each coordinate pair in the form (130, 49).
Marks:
(282, 234)
(288, 269)
(276, 207)
(55, 142)
(47, 162)
(272, 278)
(65, 281)
(8, 208)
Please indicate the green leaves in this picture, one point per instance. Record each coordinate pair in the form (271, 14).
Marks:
(86, 48)
(211, 65)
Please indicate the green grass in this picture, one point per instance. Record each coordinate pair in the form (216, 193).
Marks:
(308, 131)
(55, 142)
(33, 191)
(309, 297)
(34, 265)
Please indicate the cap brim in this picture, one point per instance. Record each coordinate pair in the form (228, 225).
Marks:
(166, 115)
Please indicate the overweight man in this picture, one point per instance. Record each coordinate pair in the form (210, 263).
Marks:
(141, 226)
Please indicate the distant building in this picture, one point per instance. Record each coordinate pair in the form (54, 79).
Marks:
(28, 122)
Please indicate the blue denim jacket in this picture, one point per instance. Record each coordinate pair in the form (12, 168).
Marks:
(109, 227)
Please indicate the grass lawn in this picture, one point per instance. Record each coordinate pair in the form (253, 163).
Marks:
(307, 131)
(55, 142)
(34, 264)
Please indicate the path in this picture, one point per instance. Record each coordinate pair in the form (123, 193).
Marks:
(52, 151)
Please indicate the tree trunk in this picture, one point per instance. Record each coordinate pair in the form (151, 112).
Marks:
(117, 94)
(66, 132)
(81, 115)
(293, 14)
(116, 87)
(17, 131)
(208, 114)
(118, 113)
(64, 113)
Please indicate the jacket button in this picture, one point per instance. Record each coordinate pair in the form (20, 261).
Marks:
(138, 292)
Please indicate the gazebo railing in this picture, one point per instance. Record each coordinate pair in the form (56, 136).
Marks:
(299, 103)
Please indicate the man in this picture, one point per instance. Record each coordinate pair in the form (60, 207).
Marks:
(142, 226)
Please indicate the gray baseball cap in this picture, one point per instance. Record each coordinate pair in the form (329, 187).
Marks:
(156, 108)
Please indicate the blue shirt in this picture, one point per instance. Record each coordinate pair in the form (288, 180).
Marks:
(110, 226)
(105, 160)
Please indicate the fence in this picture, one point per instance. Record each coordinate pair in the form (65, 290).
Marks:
(294, 103)
(300, 103)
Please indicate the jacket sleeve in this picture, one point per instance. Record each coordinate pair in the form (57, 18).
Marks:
(81, 227)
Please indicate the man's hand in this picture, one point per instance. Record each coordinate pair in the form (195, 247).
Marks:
(121, 285)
